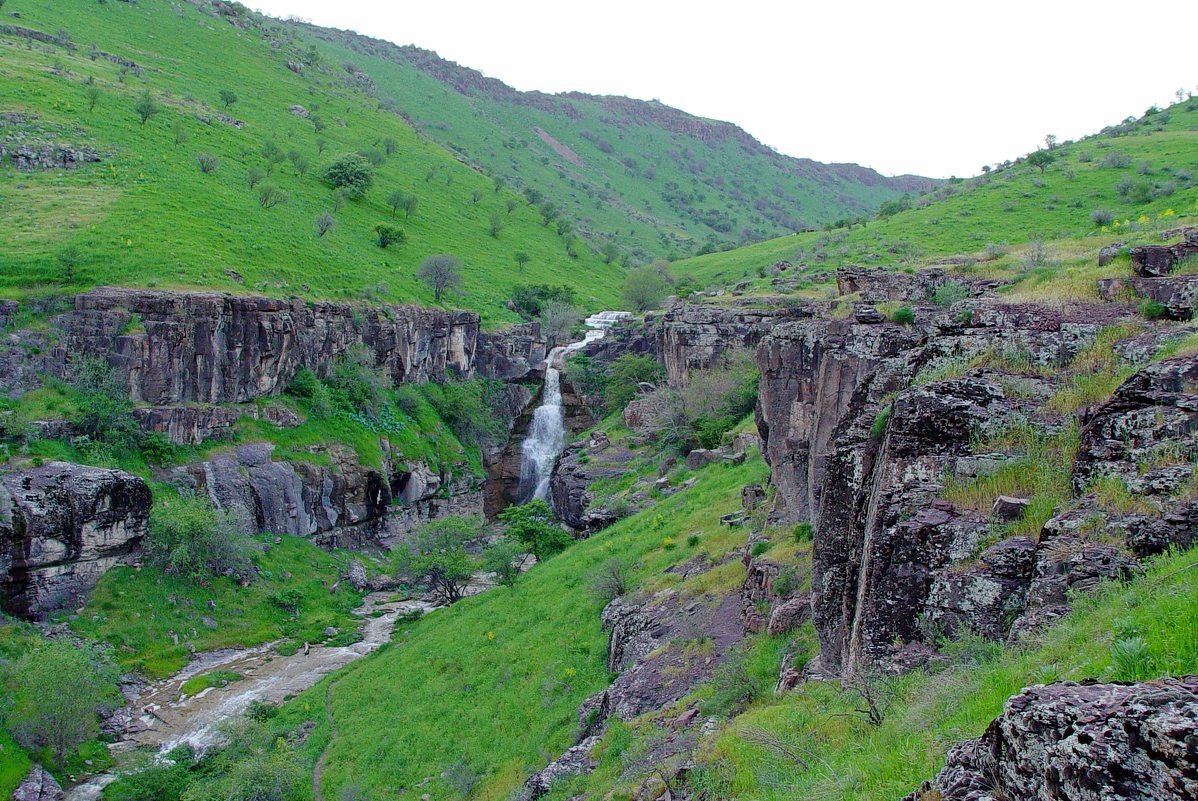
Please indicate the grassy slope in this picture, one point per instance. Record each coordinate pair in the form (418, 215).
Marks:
(645, 187)
(136, 610)
(147, 216)
(1009, 207)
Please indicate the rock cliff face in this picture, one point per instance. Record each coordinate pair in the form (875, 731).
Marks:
(342, 504)
(176, 348)
(61, 526)
(862, 453)
(1133, 742)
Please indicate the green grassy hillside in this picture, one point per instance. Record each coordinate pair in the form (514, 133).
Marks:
(146, 215)
(1139, 175)
(646, 177)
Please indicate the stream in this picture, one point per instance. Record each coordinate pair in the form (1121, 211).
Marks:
(547, 434)
(162, 718)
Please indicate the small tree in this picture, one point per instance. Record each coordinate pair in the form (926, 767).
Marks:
(476, 196)
(409, 205)
(396, 201)
(272, 153)
(189, 537)
(299, 161)
(441, 272)
(209, 162)
(511, 205)
(437, 557)
(92, 93)
(532, 524)
(55, 692)
(521, 258)
(324, 223)
(505, 559)
(270, 196)
(549, 212)
(557, 320)
(228, 97)
(181, 133)
(146, 106)
(644, 288)
(254, 176)
(390, 146)
(496, 225)
(1041, 159)
(1050, 141)
(351, 172)
(388, 235)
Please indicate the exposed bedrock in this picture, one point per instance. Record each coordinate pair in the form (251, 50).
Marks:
(338, 501)
(1075, 742)
(61, 526)
(208, 347)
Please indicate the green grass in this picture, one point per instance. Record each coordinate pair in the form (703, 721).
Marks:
(1004, 209)
(218, 678)
(857, 762)
(136, 610)
(14, 764)
(146, 216)
(495, 681)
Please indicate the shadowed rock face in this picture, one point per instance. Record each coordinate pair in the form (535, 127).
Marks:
(208, 347)
(1133, 742)
(61, 526)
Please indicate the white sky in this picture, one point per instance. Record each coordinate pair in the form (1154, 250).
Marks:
(933, 88)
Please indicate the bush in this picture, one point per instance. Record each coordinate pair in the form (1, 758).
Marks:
(209, 162)
(270, 196)
(613, 579)
(103, 411)
(254, 176)
(505, 559)
(351, 172)
(1116, 160)
(191, 538)
(388, 235)
(146, 107)
(786, 582)
(437, 557)
(324, 223)
(354, 383)
(949, 293)
(880, 422)
(442, 272)
(471, 409)
(1101, 217)
(804, 532)
(528, 299)
(646, 287)
(903, 315)
(1154, 310)
(532, 524)
(54, 693)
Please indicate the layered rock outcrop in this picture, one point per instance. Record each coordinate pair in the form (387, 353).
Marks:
(61, 526)
(1132, 742)
(341, 503)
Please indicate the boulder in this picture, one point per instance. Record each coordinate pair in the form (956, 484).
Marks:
(1132, 742)
(61, 527)
(39, 785)
(1008, 508)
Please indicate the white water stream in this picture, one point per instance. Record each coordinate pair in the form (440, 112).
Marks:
(546, 437)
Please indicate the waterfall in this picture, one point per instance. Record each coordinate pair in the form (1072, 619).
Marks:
(546, 437)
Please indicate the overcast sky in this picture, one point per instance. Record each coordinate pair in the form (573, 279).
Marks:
(933, 88)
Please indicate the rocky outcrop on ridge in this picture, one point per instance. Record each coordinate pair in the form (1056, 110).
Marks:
(1132, 742)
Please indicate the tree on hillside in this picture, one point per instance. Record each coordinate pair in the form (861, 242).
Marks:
(396, 200)
(496, 225)
(557, 320)
(532, 524)
(351, 172)
(324, 224)
(442, 272)
(388, 235)
(228, 97)
(146, 106)
(1050, 141)
(521, 258)
(91, 90)
(1041, 159)
(409, 205)
(645, 288)
(437, 557)
(55, 692)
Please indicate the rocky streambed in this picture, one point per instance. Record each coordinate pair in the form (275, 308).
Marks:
(160, 716)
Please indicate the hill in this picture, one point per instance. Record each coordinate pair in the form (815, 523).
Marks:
(1133, 177)
(136, 208)
(649, 178)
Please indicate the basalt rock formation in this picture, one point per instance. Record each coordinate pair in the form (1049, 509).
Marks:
(1133, 742)
(61, 526)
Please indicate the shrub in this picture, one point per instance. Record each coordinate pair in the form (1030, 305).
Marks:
(270, 196)
(146, 107)
(645, 287)
(612, 580)
(1116, 160)
(1131, 659)
(387, 235)
(880, 422)
(103, 411)
(532, 524)
(53, 694)
(437, 557)
(351, 172)
(324, 223)
(209, 162)
(760, 547)
(1036, 255)
(625, 373)
(528, 299)
(804, 532)
(949, 293)
(786, 582)
(254, 176)
(191, 538)
(470, 409)
(732, 685)
(1153, 310)
(505, 559)
(1101, 217)
(903, 315)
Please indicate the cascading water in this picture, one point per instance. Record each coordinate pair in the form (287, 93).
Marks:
(547, 435)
